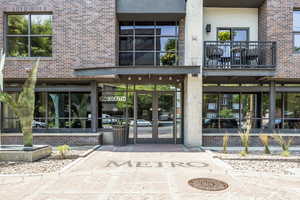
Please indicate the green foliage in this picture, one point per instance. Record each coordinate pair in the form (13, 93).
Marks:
(284, 143)
(245, 136)
(243, 153)
(224, 35)
(226, 113)
(23, 107)
(225, 142)
(63, 150)
(169, 58)
(265, 141)
(285, 154)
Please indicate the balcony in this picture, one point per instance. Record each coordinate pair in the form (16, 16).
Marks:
(239, 55)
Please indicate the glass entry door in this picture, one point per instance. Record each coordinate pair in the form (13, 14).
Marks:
(155, 117)
(144, 122)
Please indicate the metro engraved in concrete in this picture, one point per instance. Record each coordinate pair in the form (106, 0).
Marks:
(155, 164)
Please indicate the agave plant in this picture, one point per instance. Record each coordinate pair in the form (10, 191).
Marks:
(245, 136)
(23, 107)
(285, 144)
(225, 142)
(264, 138)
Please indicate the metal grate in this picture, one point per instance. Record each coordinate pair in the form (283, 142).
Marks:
(208, 184)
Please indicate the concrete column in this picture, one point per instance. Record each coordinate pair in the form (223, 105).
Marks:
(193, 32)
(272, 108)
(193, 111)
(193, 83)
(94, 106)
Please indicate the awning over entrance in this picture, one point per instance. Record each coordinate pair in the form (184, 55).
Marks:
(137, 70)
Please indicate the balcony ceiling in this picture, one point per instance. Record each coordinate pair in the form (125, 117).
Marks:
(233, 3)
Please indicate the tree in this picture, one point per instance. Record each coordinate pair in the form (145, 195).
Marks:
(24, 105)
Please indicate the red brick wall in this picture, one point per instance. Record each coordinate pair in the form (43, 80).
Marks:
(276, 24)
(83, 35)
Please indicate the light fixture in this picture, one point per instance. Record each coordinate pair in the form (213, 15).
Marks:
(129, 78)
(160, 78)
(208, 28)
(140, 78)
(170, 78)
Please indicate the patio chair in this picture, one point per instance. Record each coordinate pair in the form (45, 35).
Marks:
(213, 53)
(252, 56)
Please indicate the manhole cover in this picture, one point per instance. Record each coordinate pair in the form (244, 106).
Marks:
(208, 184)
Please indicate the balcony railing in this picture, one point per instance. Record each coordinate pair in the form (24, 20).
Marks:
(239, 55)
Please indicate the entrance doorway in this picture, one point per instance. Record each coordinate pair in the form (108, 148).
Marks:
(155, 117)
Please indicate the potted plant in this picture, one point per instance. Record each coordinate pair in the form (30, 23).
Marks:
(120, 133)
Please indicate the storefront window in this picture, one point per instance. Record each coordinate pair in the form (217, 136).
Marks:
(58, 110)
(210, 111)
(229, 110)
(113, 108)
(80, 110)
(291, 110)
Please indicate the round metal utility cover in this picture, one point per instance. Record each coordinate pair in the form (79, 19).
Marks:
(208, 184)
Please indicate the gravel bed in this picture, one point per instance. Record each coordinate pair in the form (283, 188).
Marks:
(50, 164)
(258, 162)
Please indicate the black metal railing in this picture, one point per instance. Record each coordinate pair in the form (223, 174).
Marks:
(239, 55)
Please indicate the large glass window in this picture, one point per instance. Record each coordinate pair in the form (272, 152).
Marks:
(291, 110)
(148, 43)
(296, 30)
(29, 35)
(54, 110)
(232, 110)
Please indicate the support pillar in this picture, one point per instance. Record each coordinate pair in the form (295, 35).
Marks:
(193, 83)
(193, 111)
(94, 106)
(272, 108)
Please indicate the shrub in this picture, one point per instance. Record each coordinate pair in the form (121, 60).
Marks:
(264, 139)
(225, 143)
(245, 137)
(285, 144)
(63, 150)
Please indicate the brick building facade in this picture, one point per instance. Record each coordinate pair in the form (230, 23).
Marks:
(149, 63)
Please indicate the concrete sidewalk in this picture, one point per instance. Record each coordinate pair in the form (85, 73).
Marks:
(142, 172)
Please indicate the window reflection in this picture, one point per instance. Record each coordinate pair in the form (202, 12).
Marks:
(36, 26)
(149, 43)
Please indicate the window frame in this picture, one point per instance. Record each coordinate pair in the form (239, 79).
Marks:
(231, 30)
(28, 36)
(295, 32)
(156, 52)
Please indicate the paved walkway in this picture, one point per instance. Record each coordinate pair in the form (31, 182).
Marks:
(147, 172)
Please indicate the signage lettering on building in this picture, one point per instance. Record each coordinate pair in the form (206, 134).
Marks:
(113, 98)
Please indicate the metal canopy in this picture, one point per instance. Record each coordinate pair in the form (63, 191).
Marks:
(233, 3)
(137, 70)
(154, 10)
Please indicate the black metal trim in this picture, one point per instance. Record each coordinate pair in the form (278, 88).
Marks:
(137, 70)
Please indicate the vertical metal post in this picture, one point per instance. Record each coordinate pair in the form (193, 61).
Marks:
(272, 108)
(135, 116)
(94, 106)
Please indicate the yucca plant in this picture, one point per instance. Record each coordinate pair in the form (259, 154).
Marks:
(225, 142)
(23, 107)
(284, 143)
(264, 139)
(245, 137)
